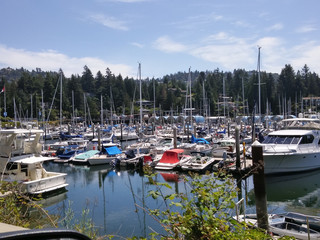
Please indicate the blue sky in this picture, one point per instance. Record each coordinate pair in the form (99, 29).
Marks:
(165, 36)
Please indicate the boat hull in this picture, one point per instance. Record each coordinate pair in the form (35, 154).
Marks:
(291, 162)
(100, 159)
(53, 181)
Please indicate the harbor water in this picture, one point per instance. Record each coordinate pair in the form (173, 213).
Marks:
(117, 199)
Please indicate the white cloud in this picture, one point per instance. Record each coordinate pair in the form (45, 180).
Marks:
(306, 28)
(275, 27)
(50, 60)
(166, 44)
(139, 45)
(308, 53)
(109, 22)
(273, 54)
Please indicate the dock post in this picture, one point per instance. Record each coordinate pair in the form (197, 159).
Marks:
(93, 129)
(174, 137)
(99, 139)
(238, 164)
(120, 131)
(259, 185)
(152, 128)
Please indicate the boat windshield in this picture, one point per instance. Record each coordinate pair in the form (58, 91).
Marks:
(282, 140)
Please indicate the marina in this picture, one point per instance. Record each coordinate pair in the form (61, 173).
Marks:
(113, 195)
(109, 181)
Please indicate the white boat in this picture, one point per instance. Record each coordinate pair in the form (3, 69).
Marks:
(226, 145)
(51, 149)
(294, 148)
(199, 163)
(172, 159)
(132, 159)
(94, 143)
(143, 144)
(82, 158)
(126, 134)
(289, 224)
(26, 166)
(105, 156)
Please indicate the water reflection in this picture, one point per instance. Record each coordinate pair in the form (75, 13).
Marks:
(293, 186)
(117, 199)
(291, 192)
(170, 176)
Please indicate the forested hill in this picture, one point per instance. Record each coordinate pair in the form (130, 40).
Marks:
(10, 74)
(279, 92)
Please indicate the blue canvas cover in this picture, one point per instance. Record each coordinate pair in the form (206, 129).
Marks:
(113, 150)
(198, 140)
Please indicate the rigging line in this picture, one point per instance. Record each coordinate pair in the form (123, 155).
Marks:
(54, 96)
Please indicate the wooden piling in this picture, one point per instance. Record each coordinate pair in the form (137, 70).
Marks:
(238, 163)
(174, 137)
(99, 139)
(259, 186)
(121, 132)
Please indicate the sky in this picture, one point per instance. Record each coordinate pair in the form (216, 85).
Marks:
(165, 36)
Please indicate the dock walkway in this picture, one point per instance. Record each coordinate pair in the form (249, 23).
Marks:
(4, 227)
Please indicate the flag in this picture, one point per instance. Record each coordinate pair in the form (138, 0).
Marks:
(2, 90)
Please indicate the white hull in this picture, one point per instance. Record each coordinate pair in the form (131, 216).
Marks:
(171, 166)
(290, 162)
(53, 181)
(100, 159)
(26, 168)
(166, 166)
(198, 166)
(293, 149)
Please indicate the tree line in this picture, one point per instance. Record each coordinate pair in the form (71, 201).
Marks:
(213, 92)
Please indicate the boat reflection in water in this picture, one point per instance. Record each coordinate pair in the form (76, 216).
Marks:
(300, 192)
(170, 176)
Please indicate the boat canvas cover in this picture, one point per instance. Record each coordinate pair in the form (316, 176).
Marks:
(171, 156)
(86, 154)
(198, 140)
(113, 150)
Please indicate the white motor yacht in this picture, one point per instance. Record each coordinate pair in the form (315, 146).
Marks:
(21, 161)
(294, 148)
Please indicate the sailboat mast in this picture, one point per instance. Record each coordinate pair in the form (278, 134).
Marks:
(73, 117)
(154, 98)
(60, 100)
(259, 82)
(140, 94)
(190, 96)
(101, 111)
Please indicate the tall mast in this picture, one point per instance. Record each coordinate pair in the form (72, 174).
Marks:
(101, 109)
(140, 94)
(60, 100)
(85, 110)
(259, 84)
(224, 99)
(154, 98)
(243, 102)
(190, 98)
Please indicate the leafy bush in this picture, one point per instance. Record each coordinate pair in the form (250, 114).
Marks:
(201, 213)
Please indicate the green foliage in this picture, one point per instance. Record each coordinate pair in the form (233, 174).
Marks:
(201, 213)
(84, 224)
(15, 208)
(120, 92)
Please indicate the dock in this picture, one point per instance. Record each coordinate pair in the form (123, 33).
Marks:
(4, 227)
